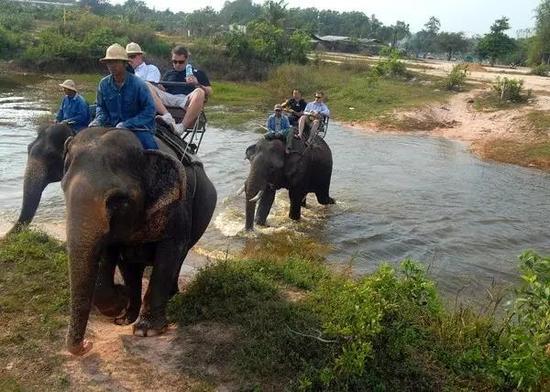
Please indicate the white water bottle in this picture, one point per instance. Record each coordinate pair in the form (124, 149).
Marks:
(188, 70)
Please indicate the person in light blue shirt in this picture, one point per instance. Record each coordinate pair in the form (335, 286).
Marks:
(74, 109)
(314, 113)
(124, 101)
(278, 124)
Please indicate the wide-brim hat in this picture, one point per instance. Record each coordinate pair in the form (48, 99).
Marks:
(133, 48)
(115, 52)
(69, 85)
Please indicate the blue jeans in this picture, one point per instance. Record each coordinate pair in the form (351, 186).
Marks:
(147, 140)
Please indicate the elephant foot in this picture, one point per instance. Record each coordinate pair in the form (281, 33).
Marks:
(81, 348)
(263, 224)
(127, 318)
(145, 326)
(328, 200)
(295, 217)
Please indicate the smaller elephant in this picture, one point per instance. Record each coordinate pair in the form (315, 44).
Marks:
(128, 207)
(308, 168)
(44, 166)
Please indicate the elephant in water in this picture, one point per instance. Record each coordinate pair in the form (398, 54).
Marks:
(128, 207)
(44, 166)
(306, 169)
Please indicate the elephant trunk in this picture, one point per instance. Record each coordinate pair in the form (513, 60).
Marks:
(36, 179)
(87, 227)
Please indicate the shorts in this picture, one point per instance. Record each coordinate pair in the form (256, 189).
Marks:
(178, 100)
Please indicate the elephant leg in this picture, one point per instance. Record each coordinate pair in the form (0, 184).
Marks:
(133, 275)
(169, 257)
(296, 198)
(324, 198)
(264, 206)
(110, 299)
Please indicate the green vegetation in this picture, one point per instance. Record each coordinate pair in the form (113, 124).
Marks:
(505, 93)
(541, 70)
(456, 79)
(34, 299)
(303, 326)
(535, 153)
(539, 121)
(496, 44)
(299, 325)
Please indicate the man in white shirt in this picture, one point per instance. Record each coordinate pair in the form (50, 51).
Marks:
(151, 74)
(147, 72)
(314, 114)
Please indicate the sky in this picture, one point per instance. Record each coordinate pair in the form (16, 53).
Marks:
(469, 16)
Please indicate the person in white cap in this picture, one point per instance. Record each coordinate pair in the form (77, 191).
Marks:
(150, 73)
(123, 99)
(73, 110)
(147, 72)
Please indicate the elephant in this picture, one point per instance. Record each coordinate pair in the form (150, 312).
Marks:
(128, 207)
(44, 166)
(307, 168)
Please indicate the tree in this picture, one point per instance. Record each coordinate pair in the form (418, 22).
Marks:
(452, 43)
(274, 12)
(496, 44)
(540, 48)
(240, 12)
(399, 31)
(433, 25)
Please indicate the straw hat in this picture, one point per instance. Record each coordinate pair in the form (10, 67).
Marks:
(69, 84)
(133, 48)
(115, 52)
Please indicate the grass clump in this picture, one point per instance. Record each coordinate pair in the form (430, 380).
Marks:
(385, 331)
(510, 90)
(456, 78)
(34, 298)
(530, 153)
(541, 70)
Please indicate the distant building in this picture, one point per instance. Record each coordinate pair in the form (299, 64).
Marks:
(339, 43)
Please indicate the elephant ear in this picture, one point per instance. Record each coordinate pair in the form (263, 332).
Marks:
(250, 151)
(165, 181)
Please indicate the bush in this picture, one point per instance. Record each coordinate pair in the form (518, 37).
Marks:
(389, 65)
(541, 70)
(81, 40)
(456, 79)
(526, 358)
(510, 90)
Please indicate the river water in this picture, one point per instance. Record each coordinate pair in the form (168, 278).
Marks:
(398, 196)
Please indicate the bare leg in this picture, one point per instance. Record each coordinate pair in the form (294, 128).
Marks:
(313, 130)
(159, 106)
(195, 103)
(301, 125)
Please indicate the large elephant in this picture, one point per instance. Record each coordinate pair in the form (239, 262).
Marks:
(44, 166)
(306, 169)
(128, 207)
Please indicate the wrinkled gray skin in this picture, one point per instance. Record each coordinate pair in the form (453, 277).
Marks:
(44, 166)
(305, 170)
(131, 208)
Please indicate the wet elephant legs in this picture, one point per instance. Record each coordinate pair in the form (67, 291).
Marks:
(133, 275)
(264, 206)
(296, 199)
(168, 259)
(111, 299)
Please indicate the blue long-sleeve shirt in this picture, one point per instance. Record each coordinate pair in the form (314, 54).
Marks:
(131, 104)
(74, 109)
(284, 125)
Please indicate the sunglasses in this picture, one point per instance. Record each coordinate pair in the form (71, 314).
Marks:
(132, 56)
(178, 61)
(318, 96)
